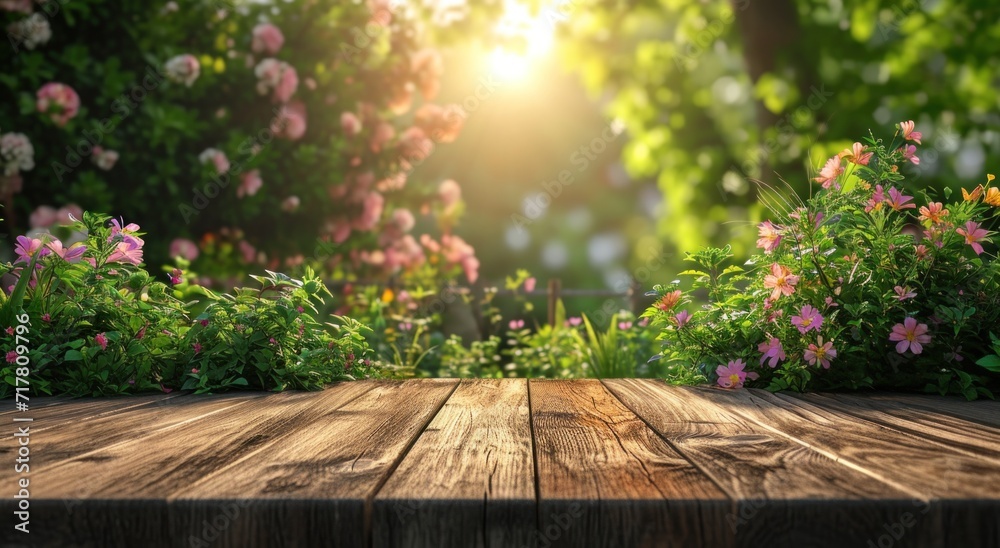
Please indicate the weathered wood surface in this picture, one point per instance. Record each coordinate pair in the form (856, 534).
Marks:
(497, 463)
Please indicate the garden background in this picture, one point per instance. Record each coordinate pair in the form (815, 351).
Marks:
(406, 150)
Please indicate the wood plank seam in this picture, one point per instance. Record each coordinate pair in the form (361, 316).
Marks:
(534, 459)
(369, 500)
(670, 443)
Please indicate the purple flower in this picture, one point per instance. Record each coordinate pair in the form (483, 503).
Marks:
(772, 350)
(808, 318)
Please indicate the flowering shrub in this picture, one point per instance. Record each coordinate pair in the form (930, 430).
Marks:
(100, 324)
(245, 126)
(856, 287)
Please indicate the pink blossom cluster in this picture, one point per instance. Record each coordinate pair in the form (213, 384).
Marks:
(16, 153)
(59, 101)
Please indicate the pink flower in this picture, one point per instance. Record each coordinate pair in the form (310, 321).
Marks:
(218, 159)
(197, 348)
(72, 254)
(877, 199)
(250, 183)
(403, 219)
(414, 145)
(908, 133)
(23, 6)
(808, 318)
(529, 284)
(909, 153)
(194, 370)
(829, 302)
(427, 67)
(457, 252)
(104, 159)
(772, 350)
(176, 276)
(973, 235)
(16, 155)
(898, 201)
(516, 324)
(373, 204)
(102, 340)
(828, 175)
(290, 123)
(443, 124)
(903, 293)
(127, 251)
(204, 323)
(68, 214)
(290, 204)
(781, 280)
(42, 217)
(383, 133)
(682, 318)
(267, 39)
(911, 336)
(449, 193)
(182, 247)
(669, 300)
(247, 250)
(769, 238)
(350, 124)
(624, 326)
(182, 69)
(820, 352)
(732, 374)
(10, 331)
(25, 249)
(12, 356)
(125, 233)
(920, 251)
(278, 78)
(575, 321)
(59, 101)
(272, 341)
(857, 155)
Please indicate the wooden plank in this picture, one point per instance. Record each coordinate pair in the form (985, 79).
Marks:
(606, 479)
(469, 479)
(68, 439)
(777, 485)
(981, 411)
(68, 410)
(127, 485)
(314, 486)
(972, 438)
(959, 491)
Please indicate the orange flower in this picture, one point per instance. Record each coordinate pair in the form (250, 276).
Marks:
(781, 280)
(669, 301)
(974, 195)
(993, 196)
(933, 212)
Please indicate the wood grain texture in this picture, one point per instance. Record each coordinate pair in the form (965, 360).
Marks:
(980, 411)
(153, 466)
(469, 481)
(314, 486)
(972, 438)
(607, 479)
(947, 482)
(777, 485)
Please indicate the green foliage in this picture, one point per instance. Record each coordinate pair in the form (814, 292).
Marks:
(100, 324)
(853, 290)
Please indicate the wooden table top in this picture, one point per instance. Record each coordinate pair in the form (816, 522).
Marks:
(498, 463)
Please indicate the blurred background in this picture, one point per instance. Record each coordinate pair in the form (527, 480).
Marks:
(600, 139)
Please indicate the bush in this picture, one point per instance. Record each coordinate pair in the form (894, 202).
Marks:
(855, 288)
(96, 323)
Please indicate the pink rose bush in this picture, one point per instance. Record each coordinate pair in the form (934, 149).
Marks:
(267, 39)
(868, 284)
(183, 69)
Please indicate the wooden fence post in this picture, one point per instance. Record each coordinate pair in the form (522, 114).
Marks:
(555, 285)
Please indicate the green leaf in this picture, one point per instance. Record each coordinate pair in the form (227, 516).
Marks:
(991, 362)
(73, 356)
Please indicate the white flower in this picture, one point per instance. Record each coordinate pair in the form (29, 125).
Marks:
(104, 159)
(183, 69)
(32, 31)
(16, 153)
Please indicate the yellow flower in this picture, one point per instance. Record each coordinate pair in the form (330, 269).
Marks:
(388, 296)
